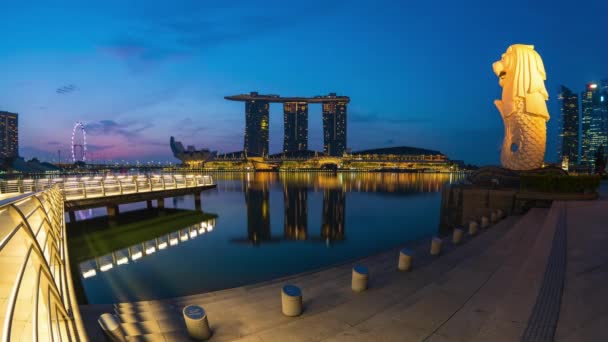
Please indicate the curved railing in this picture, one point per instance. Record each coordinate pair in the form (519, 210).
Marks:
(74, 188)
(37, 299)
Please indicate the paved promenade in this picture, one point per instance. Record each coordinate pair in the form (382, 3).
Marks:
(497, 286)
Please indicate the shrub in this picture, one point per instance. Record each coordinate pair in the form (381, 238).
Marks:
(560, 184)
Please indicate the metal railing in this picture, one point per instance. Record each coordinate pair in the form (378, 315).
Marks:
(74, 188)
(37, 298)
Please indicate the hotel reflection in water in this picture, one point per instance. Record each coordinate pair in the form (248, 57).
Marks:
(296, 187)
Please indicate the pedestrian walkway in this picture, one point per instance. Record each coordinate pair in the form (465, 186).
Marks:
(495, 286)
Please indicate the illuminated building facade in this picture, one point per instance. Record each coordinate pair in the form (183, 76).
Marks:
(9, 135)
(594, 121)
(569, 130)
(256, 126)
(295, 123)
(334, 127)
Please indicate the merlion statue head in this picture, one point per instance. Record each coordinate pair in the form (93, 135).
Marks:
(521, 74)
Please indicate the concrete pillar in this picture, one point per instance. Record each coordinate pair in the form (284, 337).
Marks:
(197, 323)
(113, 210)
(111, 328)
(405, 260)
(149, 204)
(72, 215)
(160, 203)
(291, 300)
(457, 236)
(485, 223)
(360, 277)
(436, 246)
(473, 227)
(197, 202)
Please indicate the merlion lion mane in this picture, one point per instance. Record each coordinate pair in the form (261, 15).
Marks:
(523, 107)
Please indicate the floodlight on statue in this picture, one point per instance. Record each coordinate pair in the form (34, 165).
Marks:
(523, 107)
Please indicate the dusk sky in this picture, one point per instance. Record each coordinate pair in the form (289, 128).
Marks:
(419, 74)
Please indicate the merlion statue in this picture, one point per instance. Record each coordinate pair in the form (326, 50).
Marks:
(523, 107)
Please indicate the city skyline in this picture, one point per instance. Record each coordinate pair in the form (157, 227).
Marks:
(416, 75)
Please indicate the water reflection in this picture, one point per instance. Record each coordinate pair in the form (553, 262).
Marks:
(334, 187)
(124, 256)
(334, 206)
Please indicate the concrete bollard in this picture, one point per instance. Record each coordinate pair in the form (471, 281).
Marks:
(197, 324)
(501, 214)
(111, 328)
(405, 259)
(494, 217)
(436, 246)
(485, 223)
(360, 277)
(457, 236)
(473, 227)
(291, 300)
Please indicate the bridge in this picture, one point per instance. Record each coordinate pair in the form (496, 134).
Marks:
(37, 294)
(111, 190)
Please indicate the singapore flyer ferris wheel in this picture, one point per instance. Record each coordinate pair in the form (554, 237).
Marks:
(79, 143)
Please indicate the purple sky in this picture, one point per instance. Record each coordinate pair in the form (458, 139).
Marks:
(137, 72)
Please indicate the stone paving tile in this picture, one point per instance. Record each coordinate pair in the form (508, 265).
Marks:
(387, 331)
(146, 338)
(314, 328)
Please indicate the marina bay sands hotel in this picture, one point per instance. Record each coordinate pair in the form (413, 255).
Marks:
(295, 116)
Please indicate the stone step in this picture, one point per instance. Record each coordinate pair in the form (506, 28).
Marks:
(466, 323)
(324, 291)
(401, 292)
(525, 270)
(419, 315)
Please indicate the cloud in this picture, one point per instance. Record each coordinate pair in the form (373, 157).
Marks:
(66, 89)
(188, 128)
(54, 143)
(356, 117)
(98, 148)
(128, 130)
(165, 37)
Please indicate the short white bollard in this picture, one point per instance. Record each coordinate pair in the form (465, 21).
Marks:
(436, 246)
(291, 300)
(457, 236)
(110, 326)
(196, 322)
(494, 217)
(405, 259)
(360, 277)
(473, 227)
(485, 223)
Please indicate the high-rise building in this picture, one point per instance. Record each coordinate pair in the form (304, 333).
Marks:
(295, 121)
(256, 126)
(9, 135)
(569, 127)
(334, 127)
(594, 121)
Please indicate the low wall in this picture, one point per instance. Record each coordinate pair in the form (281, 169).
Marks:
(462, 203)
